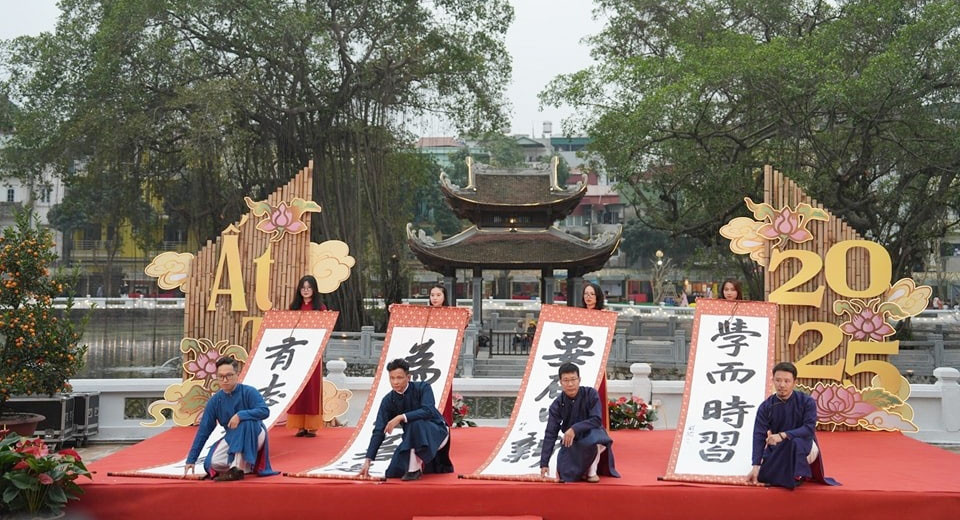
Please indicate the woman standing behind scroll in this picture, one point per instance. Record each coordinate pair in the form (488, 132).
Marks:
(306, 413)
(592, 298)
(438, 298)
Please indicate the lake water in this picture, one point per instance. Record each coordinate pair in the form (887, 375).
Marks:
(132, 343)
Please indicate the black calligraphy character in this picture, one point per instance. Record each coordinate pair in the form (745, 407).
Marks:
(716, 454)
(735, 410)
(552, 389)
(732, 371)
(732, 413)
(708, 437)
(539, 449)
(712, 410)
(573, 346)
(421, 363)
(271, 390)
(283, 353)
(735, 333)
(544, 414)
(389, 445)
(521, 449)
(730, 438)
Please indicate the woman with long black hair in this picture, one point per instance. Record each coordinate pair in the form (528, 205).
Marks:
(306, 413)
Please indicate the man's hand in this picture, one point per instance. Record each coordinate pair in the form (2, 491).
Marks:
(365, 470)
(544, 472)
(752, 476)
(189, 468)
(774, 438)
(234, 422)
(568, 437)
(393, 424)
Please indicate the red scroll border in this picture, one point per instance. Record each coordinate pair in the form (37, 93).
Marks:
(553, 314)
(402, 316)
(732, 308)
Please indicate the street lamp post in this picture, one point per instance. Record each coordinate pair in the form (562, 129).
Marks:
(660, 269)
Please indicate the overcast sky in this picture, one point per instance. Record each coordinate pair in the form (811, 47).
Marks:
(544, 41)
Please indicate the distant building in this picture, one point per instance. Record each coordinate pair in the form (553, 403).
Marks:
(35, 195)
(440, 148)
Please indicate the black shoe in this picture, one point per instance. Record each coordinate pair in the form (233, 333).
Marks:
(308, 433)
(412, 475)
(301, 433)
(229, 475)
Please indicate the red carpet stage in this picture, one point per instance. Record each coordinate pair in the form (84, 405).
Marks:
(884, 475)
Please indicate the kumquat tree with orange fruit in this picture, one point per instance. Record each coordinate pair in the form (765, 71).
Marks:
(39, 350)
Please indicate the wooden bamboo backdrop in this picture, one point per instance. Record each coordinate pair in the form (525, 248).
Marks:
(290, 257)
(780, 191)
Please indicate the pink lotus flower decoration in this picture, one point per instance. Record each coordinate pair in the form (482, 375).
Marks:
(281, 220)
(867, 324)
(840, 404)
(786, 225)
(205, 365)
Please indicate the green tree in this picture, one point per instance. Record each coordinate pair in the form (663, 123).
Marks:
(640, 243)
(200, 102)
(432, 214)
(856, 100)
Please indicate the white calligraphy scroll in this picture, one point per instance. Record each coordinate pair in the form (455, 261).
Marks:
(289, 347)
(728, 376)
(580, 336)
(429, 338)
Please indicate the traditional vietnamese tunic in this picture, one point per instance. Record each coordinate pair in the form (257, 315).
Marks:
(246, 402)
(780, 465)
(583, 413)
(423, 431)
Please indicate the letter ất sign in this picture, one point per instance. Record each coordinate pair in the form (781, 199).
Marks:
(253, 267)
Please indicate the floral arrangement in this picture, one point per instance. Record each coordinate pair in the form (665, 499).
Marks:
(33, 480)
(460, 411)
(631, 414)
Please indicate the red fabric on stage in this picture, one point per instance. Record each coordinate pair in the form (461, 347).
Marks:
(310, 399)
(498, 517)
(602, 390)
(448, 409)
(884, 475)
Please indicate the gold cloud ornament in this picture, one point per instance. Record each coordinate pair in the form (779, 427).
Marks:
(330, 264)
(744, 239)
(909, 299)
(172, 270)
